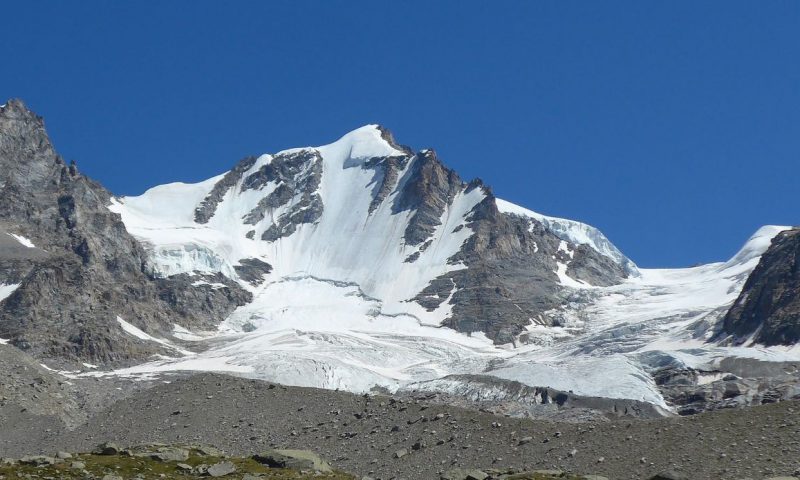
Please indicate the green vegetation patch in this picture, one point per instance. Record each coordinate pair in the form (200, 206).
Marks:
(159, 462)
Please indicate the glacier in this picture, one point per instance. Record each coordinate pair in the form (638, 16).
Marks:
(336, 312)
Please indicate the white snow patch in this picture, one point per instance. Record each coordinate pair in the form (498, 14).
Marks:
(7, 290)
(561, 269)
(215, 285)
(136, 332)
(182, 333)
(24, 241)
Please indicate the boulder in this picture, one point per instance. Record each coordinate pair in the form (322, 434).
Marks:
(294, 459)
(107, 448)
(170, 454)
(476, 475)
(221, 469)
(668, 475)
(37, 460)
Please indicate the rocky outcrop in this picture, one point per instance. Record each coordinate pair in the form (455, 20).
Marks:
(510, 277)
(430, 189)
(83, 269)
(768, 308)
(514, 399)
(200, 301)
(252, 270)
(732, 383)
(298, 176)
(387, 175)
(208, 206)
(598, 270)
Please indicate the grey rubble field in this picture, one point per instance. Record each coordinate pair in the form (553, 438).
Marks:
(411, 438)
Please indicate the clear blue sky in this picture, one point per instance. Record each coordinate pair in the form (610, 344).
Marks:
(672, 126)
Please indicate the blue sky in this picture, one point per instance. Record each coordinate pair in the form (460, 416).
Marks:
(672, 126)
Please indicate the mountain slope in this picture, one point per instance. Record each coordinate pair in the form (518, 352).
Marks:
(366, 250)
(364, 264)
(68, 266)
(645, 339)
(768, 309)
(402, 227)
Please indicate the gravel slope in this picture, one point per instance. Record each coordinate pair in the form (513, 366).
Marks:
(364, 434)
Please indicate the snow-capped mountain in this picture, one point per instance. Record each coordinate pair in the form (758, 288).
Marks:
(366, 253)
(362, 264)
(365, 213)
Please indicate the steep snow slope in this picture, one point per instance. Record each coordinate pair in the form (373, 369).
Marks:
(348, 243)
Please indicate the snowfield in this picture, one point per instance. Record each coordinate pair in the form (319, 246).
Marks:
(334, 312)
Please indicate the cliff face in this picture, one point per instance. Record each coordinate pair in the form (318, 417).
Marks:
(768, 308)
(71, 266)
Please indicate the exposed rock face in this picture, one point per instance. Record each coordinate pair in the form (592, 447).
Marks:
(201, 301)
(768, 308)
(84, 269)
(430, 189)
(252, 270)
(510, 280)
(208, 206)
(734, 383)
(387, 174)
(589, 267)
(297, 176)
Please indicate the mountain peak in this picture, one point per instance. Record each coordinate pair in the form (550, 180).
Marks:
(16, 109)
(369, 141)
